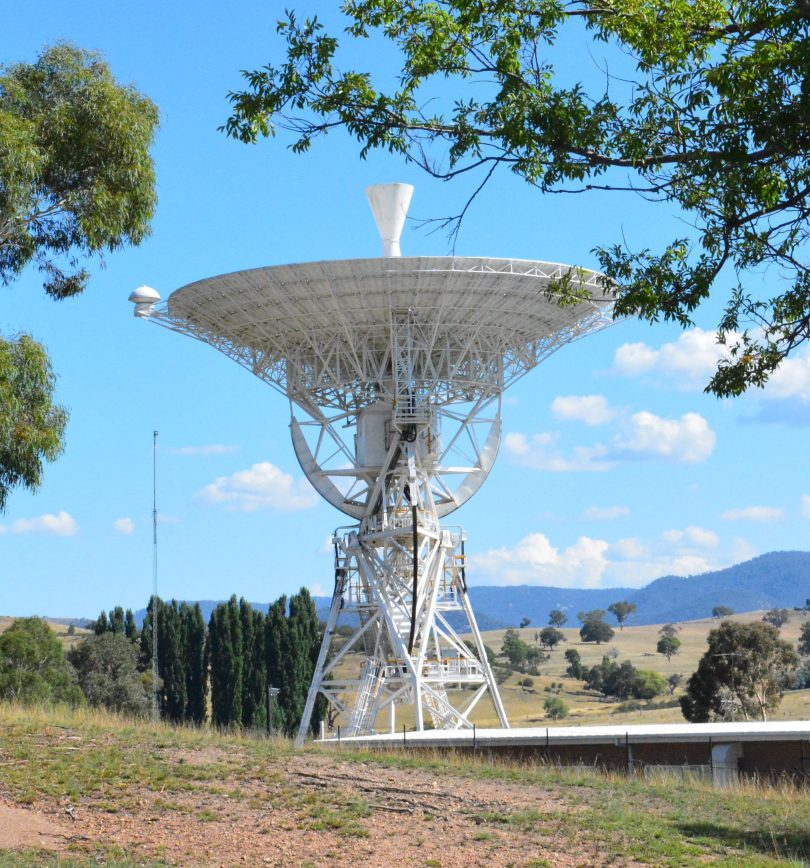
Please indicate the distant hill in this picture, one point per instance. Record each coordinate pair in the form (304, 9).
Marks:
(778, 579)
(774, 580)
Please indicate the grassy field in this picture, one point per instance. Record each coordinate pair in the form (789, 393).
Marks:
(524, 706)
(636, 644)
(102, 789)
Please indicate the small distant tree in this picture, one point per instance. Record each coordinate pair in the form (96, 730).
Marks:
(550, 637)
(668, 630)
(648, 684)
(514, 648)
(33, 666)
(621, 610)
(555, 708)
(777, 617)
(71, 630)
(556, 618)
(524, 622)
(722, 612)
(107, 669)
(668, 645)
(592, 615)
(596, 631)
(674, 681)
(743, 669)
(804, 639)
(575, 668)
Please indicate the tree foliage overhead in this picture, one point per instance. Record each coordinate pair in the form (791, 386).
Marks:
(740, 673)
(31, 423)
(76, 174)
(713, 120)
(76, 180)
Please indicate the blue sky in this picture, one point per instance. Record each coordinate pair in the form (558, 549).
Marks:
(614, 468)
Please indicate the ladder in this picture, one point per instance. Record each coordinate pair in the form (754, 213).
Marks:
(364, 709)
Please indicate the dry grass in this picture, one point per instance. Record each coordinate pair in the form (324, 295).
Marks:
(636, 644)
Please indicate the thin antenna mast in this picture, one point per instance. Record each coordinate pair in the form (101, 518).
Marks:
(155, 705)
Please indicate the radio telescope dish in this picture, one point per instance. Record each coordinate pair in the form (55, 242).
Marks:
(394, 369)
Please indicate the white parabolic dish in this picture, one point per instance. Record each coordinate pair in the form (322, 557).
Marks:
(323, 332)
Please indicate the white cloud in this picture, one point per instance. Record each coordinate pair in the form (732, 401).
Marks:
(628, 549)
(590, 409)
(687, 439)
(643, 435)
(754, 513)
(742, 550)
(61, 524)
(124, 525)
(263, 486)
(208, 449)
(689, 360)
(540, 452)
(534, 560)
(318, 590)
(791, 379)
(605, 513)
(626, 562)
(806, 505)
(693, 536)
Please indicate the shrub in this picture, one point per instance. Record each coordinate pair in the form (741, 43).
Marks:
(555, 708)
(33, 666)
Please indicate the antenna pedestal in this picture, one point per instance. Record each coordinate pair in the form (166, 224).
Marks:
(400, 585)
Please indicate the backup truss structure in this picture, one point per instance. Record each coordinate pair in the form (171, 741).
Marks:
(394, 369)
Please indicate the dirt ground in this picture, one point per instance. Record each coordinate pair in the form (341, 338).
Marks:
(409, 818)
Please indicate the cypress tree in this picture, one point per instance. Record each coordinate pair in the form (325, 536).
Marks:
(305, 639)
(101, 626)
(246, 653)
(225, 660)
(259, 670)
(145, 656)
(254, 674)
(276, 649)
(117, 621)
(130, 630)
(193, 629)
(172, 661)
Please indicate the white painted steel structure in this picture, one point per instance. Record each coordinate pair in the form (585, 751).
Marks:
(394, 369)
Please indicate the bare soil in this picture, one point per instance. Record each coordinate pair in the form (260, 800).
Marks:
(408, 818)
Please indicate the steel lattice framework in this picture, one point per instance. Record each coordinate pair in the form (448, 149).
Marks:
(394, 369)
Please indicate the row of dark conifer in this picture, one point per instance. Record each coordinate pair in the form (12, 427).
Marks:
(241, 654)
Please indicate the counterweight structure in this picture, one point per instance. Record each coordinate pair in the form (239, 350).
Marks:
(394, 369)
